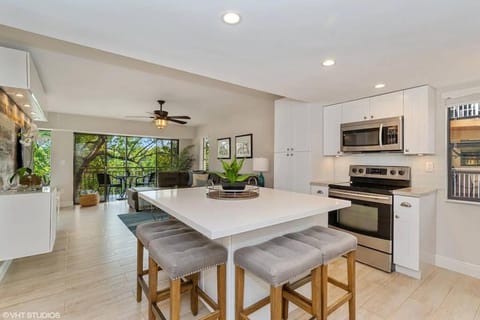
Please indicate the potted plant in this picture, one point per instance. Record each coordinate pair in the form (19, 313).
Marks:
(232, 180)
(26, 178)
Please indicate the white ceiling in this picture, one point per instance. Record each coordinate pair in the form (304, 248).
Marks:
(85, 81)
(279, 45)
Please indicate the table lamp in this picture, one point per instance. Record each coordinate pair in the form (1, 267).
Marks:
(260, 165)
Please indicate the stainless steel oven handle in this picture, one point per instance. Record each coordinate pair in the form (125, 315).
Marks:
(360, 196)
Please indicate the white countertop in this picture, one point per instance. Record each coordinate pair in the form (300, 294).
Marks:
(222, 218)
(324, 183)
(414, 191)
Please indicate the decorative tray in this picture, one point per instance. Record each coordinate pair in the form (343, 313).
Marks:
(218, 193)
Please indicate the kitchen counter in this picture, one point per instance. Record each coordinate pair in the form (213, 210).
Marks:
(239, 223)
(223, 218)
(416, 192)
(324, 183)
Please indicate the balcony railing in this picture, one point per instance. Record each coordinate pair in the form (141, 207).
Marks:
(465, 184)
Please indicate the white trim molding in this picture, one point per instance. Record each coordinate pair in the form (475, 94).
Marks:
(463, 267)
(4, 265)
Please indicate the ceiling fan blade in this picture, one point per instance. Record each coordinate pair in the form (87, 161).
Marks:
(180, 117)
(139, 117)
(176, 121)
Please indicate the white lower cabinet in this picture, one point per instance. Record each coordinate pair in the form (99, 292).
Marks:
(292, 171)
(414, 226)
(27, 223)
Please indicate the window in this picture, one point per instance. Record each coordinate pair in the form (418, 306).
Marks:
(464, 152)
(127, 160)
(42, 154)
(205, 153)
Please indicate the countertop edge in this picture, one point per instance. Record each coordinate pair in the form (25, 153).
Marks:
(416, 192)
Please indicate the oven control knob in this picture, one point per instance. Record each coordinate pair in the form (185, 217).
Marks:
(360, 170)
(401, 172)
(393, 172)
(354, 170)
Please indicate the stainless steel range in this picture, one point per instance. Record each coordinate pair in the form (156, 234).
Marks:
(370, 218)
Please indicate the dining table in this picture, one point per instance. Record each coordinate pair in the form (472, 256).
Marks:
(243, 222)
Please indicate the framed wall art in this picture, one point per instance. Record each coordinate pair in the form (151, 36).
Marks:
(244, 146)
(223, 148)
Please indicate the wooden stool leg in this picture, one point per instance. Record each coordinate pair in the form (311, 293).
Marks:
(194, 294)
(351, 284)
(152, 286)
(222, 291)
(175, 286)
(317, 292)
(139, 269)
(284, 309)
(276, 303)
(239, 291)
(324, 294)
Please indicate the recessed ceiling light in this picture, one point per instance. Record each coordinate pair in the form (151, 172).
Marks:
(328, 62)
(26, 105)
(18, 95)
(380, 85)
(231, 18)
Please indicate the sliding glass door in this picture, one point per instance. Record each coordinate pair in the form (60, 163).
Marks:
(111, 164)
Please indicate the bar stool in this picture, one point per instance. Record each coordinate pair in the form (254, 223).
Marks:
(276, 262)
(333, 244)
(145, 233)
(185, 255)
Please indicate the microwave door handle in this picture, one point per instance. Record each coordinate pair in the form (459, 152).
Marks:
(380, 135)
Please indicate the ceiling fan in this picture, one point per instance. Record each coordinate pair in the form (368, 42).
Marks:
(160, 117)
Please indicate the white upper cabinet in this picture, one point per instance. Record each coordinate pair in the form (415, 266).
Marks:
(419, 120)
(357, 110)
(387, 105)
(292, 126)
(332, 118)
(383, 106)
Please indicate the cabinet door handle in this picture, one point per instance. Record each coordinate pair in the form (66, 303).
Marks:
(397, 216)
(407, 150)
(320, 191)
(405, 204)
(291, 149)
(364, 118)
(371, 117)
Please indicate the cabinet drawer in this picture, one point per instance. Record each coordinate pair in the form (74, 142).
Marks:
(321, 191)
(406, 204)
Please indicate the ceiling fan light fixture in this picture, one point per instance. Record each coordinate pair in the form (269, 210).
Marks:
(160, 123)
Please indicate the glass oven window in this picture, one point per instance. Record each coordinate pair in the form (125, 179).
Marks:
(363, 137)
(359, 217)
(464, 152)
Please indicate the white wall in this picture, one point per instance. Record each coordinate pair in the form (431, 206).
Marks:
(256, 118)
(458, 224)
(63, 127)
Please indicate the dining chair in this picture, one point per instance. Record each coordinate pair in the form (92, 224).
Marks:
(105, 181)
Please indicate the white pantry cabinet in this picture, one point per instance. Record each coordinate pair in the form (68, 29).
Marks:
(292, 171)
(414, 233)
(332, 118)
(419, 120)
(292, 126)
(28, 223)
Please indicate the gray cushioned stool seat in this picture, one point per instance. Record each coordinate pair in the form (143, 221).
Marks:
(332, 243)
(278, 260)
(187, 253)
(152, 230)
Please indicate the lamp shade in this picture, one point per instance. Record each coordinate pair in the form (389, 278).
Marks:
(160, 123)
(260, 164)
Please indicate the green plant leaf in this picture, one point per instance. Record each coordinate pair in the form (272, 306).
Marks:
(243, 177)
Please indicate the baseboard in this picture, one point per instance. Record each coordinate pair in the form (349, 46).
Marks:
(466, 268)
(64, 204)
(4, 265)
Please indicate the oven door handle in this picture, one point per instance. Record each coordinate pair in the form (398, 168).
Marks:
(353, 195)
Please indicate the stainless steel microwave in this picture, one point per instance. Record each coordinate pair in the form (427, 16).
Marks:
(373, 135)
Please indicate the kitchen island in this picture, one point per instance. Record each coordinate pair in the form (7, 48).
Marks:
(239, 223)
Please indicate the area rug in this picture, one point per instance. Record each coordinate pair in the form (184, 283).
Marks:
(133, 219)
